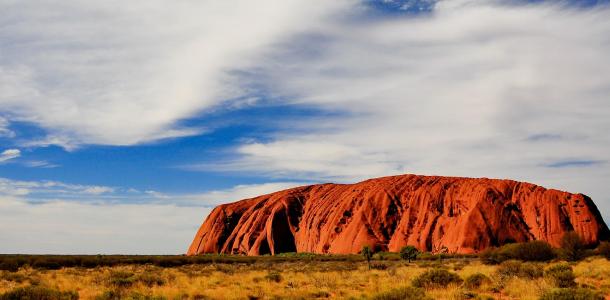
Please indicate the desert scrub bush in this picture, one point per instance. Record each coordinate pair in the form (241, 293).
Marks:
(9, 265)
(47, 265)
(409, 253)
(459, 295)
(534, 251)
(528, 251)
(515, 268)
(436, 278)
(572, 246)
(121, 279)
(274, 276)
(403, 293)
(319, 294)
(561, 275)
(379, 266)
(38, 293)
(571, 294)
(14, 277)
(109, 295)
(475, 281)
(119, 295)
(391, 256)
(492, 256)
(140, 296)
(227, 269)
(151, 279)
(459, 266)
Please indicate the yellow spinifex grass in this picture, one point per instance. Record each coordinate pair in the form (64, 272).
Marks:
(296, 280)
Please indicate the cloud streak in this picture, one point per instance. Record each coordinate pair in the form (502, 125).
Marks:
(120, 73)
(9, 154)
(4, 129)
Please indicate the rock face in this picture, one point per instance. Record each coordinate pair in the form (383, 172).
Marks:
(463, 215)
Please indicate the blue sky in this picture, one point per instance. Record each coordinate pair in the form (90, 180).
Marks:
(122, 125)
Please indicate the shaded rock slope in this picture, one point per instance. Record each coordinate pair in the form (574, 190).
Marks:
(459, 215)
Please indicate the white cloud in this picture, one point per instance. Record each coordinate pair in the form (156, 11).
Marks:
(66, 227)
(98, 190)
(121, 73)
(470, 90)
(40, 164)
(4, 129)
(48, 191)
(130, 223)
(44, 190)
(9, 154)
(238, 192)
(157, 195)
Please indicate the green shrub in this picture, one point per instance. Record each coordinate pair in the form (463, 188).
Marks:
(14, 277)
(109, 295)
(531, 270)
(379, 266)
(274, 276)
(403, 293)
(492, 256)
(409, 253)
(436, 278)
(471, 295)
(561, 275)
(47, 265)
(459, 266)
(320, 294)
(475, 280)
(151, 279)
(534, 251)
(122, 279)
(120, 295)
(139, 296)
(528, 251)
(571, 294)
(515, 268)
(572, 246)
(38, 293)
(9, 265)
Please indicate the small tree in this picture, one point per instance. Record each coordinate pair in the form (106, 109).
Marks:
(409, 253)
(367, 253)
(572, 246)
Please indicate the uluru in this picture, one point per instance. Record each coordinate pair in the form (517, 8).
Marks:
(432, 213)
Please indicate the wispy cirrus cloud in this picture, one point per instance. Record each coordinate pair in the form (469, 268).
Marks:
(4, 129)
(9, 154)
(50, 189)
(123, 73)
(40, 164)
(574, 163)
(416, 90)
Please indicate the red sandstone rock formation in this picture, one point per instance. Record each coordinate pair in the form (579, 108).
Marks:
(465, 215)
